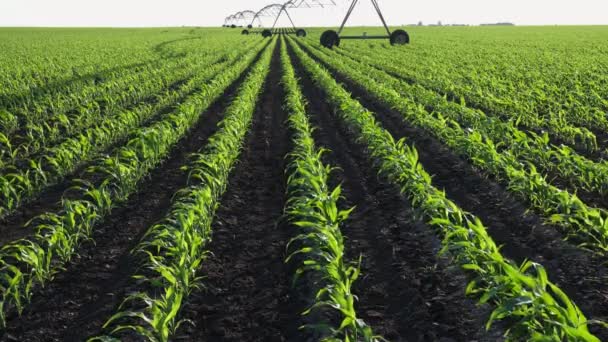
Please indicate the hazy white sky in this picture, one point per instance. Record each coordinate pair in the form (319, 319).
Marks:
(212, 13)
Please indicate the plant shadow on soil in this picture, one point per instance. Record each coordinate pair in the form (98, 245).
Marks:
(80, 299)
(246, 295)
(522, 234)
(406, 292)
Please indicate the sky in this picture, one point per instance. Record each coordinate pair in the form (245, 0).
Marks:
(155, 13)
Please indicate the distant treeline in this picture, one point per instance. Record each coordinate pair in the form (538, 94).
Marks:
(498, 24)
(440, 24)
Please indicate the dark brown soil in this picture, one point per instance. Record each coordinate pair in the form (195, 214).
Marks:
(602, 137)
(405, 292)
(247, 282)
(591, 198)
(14, 226)
(522, 234)
(77, 303)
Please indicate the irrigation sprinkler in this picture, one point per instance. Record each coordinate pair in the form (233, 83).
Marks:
(267, 11)
(232, 21)
(331, 38)
(290, 4)
(299, 32)
(242, 19)
(277, 10)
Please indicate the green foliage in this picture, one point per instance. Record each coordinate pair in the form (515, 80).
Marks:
(317, 251)
(523, 298)
(51, 164)
(34, 260)
(176, 246)
(513, 159)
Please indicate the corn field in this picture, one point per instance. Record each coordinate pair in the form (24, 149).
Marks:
(196, 184)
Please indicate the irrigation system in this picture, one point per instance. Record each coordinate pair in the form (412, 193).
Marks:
(329, 38)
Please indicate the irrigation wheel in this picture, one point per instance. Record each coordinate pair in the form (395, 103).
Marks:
(399, 37)
(301, 33)
(266, 33)
(330, 38)
(245, 32)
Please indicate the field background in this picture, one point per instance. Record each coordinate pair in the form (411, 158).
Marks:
(149, 151)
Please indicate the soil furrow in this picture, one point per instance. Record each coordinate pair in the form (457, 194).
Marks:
(405, 292)
(522, 234)
(246, 295)
(77, 303)
(14, 226)
(602, 137)
(590, 197)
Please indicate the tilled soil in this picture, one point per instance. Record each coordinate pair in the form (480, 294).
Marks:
(602, 137)
(522, 235)
(406, 292)
(246, 295)
(15, 226)
(592, 198)
(80, 299)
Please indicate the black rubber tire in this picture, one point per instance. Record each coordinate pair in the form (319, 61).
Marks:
(233, 26)
(250, 26)
(301, 33)
(330, 38)
(245, 32)
(266, 33)
(400, 37)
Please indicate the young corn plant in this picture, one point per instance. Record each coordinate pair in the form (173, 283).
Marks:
(65, 115)
(578, 172)
(518, 95)
(585, 225)
(54, 163)
(58, 235)
(317, 251)
(530, 305)
(176, 247)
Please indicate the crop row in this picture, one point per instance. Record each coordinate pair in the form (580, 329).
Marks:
(176, 246)
(31, 262)
(568, 102)
(42, 132)
(317, 251)
(562, 161)
(59, 78)
(61, 108)
(584, 224)
(19, 185)
(523, 297)
(62, 59)
(68, 114)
